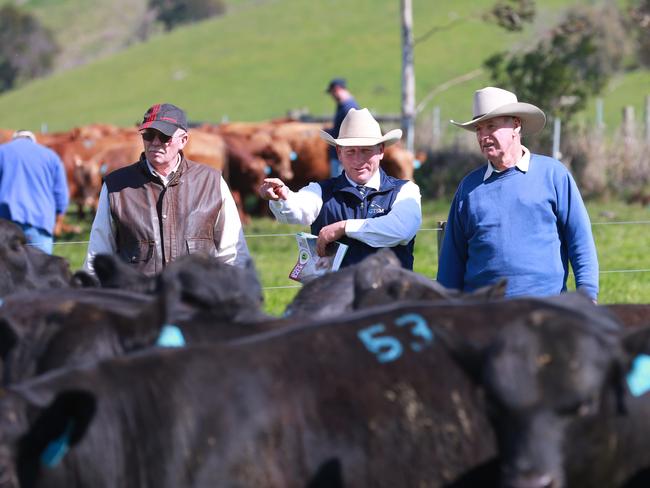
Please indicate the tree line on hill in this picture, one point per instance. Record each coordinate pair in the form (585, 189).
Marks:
(28, 49)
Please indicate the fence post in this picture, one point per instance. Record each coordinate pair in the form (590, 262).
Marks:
(557, 127)
(599, 114)
(647, 119)
(628, 124)
(435, 127)
(441, 235)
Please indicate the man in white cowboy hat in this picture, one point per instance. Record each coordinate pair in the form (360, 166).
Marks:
(520, 216)
(363, 206)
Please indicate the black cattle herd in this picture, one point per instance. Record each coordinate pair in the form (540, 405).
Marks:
(374, 377)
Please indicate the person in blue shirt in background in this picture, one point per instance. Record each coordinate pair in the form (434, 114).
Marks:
(33, 188)
(338, 90)
(520, 216)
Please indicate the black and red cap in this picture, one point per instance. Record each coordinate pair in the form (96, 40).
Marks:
(164, 117)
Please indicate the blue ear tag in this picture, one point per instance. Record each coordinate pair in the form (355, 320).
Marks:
(417, 163)
(638, 379)
(58, 448)
(103, 169)
(170, 336)
(1, 302)
(267, 170)
(293, 155)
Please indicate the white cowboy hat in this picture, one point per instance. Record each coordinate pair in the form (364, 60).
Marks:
(493, 102)
(359, 128)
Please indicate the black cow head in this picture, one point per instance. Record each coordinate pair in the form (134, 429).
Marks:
(24, 267)
(35, 433)
(543, 374)
(112, 272)
(201, 284)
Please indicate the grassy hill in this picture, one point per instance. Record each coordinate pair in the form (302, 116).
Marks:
(266, 57)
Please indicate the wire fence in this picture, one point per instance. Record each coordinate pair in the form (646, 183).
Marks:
(432, 229)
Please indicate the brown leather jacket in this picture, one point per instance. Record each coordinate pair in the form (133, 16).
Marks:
(157, 224)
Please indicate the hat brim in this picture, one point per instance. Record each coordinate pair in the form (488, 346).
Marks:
(391, 137)
(532, 118)
(164, 127)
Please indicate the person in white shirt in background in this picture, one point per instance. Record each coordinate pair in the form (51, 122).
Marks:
(363, 207)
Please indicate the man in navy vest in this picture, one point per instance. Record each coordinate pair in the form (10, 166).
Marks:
(363, 207)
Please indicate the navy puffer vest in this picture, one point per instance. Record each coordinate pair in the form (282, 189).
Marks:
(341, 201)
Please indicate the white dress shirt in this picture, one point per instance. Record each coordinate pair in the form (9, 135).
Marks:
(231, 249)
(397, 227)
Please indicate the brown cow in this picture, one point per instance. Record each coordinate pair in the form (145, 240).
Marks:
(398, 162)
(310, 161)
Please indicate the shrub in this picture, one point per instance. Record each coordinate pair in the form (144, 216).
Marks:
(173, 13)
(27, 49)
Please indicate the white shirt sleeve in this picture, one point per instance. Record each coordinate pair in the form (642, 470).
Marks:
(102, 232)
(397, 227)
(301, 207)
(228, 232)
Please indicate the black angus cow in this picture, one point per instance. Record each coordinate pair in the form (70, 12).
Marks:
(377, 280)
(318, 405)
(47, 329)
(380, 398)
(25, 267)
(555, 381)
(200, 299)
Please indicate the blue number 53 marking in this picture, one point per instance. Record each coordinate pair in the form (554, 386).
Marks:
(388, 348)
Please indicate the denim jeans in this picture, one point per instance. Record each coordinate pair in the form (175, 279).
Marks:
(38, 238)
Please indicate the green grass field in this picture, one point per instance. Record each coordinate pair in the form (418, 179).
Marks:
(265, 57)
(622, 251)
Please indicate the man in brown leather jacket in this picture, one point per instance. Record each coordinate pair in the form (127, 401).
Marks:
(165, 206)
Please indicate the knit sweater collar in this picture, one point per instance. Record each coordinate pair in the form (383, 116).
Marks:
(522, 164)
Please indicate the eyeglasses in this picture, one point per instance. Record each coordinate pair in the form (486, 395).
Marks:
(150, 135)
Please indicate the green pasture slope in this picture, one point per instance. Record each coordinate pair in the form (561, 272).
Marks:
(265, 57)
(622, 252)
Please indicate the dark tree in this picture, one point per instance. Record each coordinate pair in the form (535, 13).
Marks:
(512, 14)
(640, 17)
(568, 66)
(176, 12)
(27, 48)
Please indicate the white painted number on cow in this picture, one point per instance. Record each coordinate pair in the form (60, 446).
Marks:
(388, 348)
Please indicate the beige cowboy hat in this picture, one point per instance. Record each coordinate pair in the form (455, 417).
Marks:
(359, 128)
(490, 102)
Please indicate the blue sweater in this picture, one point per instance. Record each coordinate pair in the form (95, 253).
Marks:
(33, 185)
(521, 226)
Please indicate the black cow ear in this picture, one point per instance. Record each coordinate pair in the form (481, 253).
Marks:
(637, 341)
(8, 337)
(57, 427)
(328, 475)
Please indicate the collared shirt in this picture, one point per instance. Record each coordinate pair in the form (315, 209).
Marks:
(232, 248)
(522, 164)
(33, 184)
(397, 227)
(164, 179)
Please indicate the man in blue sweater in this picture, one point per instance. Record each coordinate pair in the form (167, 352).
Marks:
(520, 216)
(33, 188)
(363, 207)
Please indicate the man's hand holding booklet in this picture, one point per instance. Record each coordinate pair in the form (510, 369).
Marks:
(310, 264)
